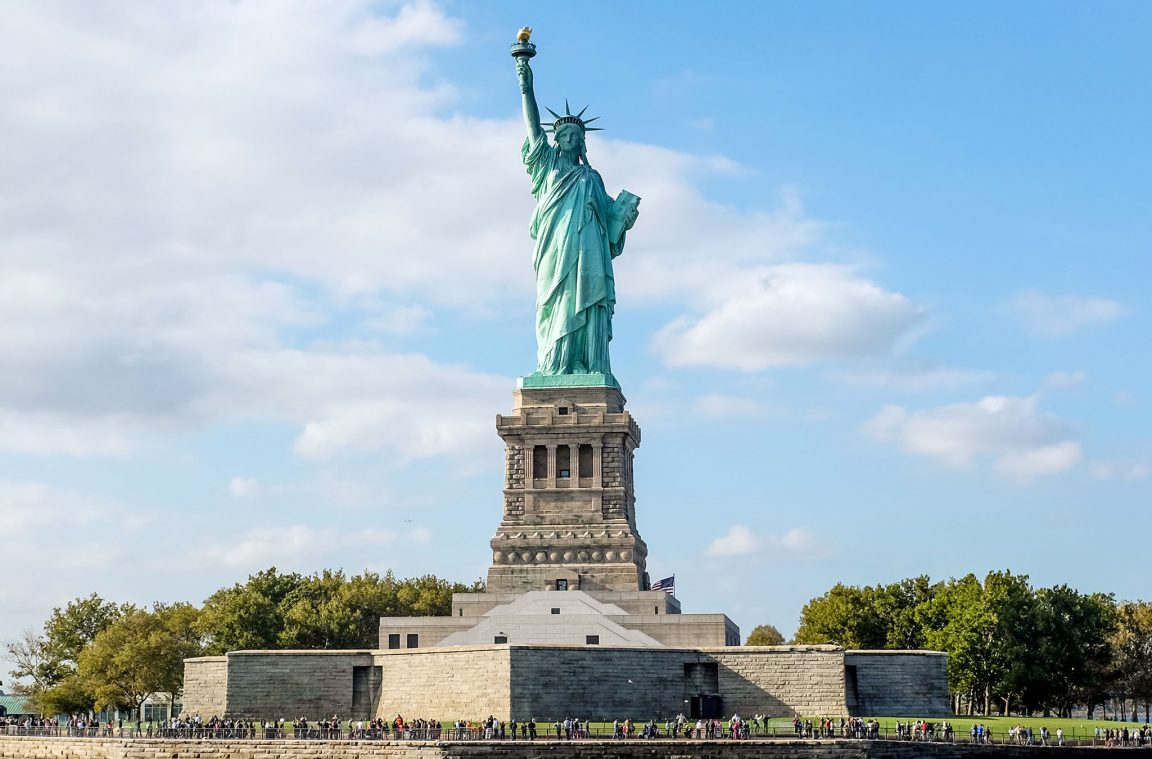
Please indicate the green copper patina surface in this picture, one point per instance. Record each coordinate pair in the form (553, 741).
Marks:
(578, 229)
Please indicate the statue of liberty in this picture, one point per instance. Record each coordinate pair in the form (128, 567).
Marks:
(578, 230)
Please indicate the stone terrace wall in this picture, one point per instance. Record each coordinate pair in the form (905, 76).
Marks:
(87, 748)
(206, 685)
(470, 682)
(900, 683)
(554, 682)
(289, 684)
(782, 680)
(550, 682)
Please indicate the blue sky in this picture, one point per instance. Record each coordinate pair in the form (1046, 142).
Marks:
(265, 282)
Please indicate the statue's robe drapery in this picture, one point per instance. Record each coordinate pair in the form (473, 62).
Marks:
(575, 291)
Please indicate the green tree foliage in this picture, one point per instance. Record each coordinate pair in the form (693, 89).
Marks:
(140, 654)
(69, 696)
(1073, 658)
(97, 653)
(883, 616)
(69, 630)
(844, 616)
(326, 610)
(50, 661)
(896, 606)
(1132, 647)
(247, 616)
(958, 621)
(1010, 647)
(765, 635)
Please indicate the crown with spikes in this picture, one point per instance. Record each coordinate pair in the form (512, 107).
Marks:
(568, 118)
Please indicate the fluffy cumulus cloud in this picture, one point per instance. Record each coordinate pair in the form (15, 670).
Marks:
(1059, 315)
(297, 546)
(187, 187)
(796, 543)
(1022, 440)
(791, 315)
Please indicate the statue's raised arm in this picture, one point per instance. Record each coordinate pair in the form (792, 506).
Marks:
(531, 109)
(523, 51)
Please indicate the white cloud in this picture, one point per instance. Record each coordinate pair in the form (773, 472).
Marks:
(292, 546)
(48, 433)
(738, 541)
(1119, 470)
(243, 487)
(914, 379)
(1065, 380)
(796, 543)
(29, 505)
(362, 399)
(791, 315)
(1047, 459)
(721, 405)
(1023, 440)
(1059, 315)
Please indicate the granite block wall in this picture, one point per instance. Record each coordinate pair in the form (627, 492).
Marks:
(782, 680)
(446, 683)
(554, 682)
(206, 685)
(899, 683)
(274, 684)
(557, 681)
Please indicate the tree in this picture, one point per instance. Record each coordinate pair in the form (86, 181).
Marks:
(247, 616)
(140, 654)
(330, 611)
(1132, 647)
(957, 621)
(325, 610)
(1072, 656)
(69, 696)
(765, 635)
(50, 660)
(844, 616)
(69, 630)
(32, 661)
(897, 605)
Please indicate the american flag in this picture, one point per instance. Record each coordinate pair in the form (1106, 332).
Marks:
(668, 585)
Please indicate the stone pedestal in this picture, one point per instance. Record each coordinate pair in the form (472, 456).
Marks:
(569, 506)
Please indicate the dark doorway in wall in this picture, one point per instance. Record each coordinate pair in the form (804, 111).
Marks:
(365, 687)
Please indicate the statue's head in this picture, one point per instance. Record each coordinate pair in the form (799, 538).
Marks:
(570, 138)
(569, 131)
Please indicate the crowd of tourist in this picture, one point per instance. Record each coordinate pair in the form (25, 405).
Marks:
(493, 729)
(1123, 736)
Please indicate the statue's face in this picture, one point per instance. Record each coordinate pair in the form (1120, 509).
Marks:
(570, 139)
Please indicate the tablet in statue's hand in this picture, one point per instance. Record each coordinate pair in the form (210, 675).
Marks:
(623, 208)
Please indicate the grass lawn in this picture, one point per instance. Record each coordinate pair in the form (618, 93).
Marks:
(962, 725)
